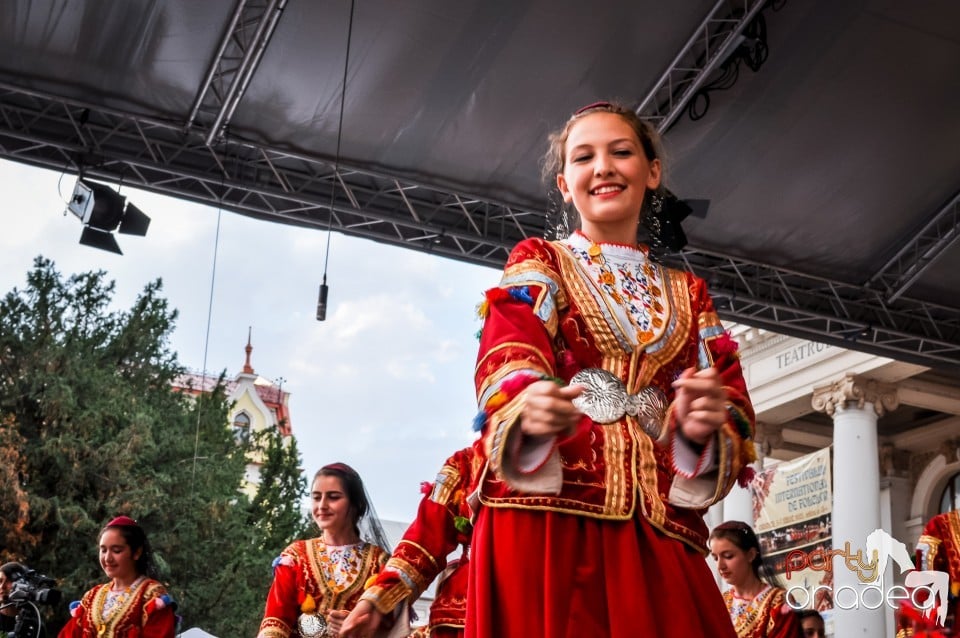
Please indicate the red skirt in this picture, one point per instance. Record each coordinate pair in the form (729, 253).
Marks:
(553, 575)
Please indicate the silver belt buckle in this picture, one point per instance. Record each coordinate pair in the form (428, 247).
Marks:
(312, 625)
(605, 400)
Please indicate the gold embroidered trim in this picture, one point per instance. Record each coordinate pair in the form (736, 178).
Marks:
(108, 626)
(516, 274)
(581, 295)
(513, 365)
(420, 549)
(327, 597)
(445, 484)
(933, 543)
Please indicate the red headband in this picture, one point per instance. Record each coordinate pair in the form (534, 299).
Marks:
(123, 521)
(595, 105)
(340, 467)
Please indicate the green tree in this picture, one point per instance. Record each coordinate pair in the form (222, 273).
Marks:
(91, 427)
(277, 509)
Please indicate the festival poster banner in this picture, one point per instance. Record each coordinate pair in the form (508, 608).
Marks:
(792, 509)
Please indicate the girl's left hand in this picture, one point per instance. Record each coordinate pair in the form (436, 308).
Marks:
(700, 404)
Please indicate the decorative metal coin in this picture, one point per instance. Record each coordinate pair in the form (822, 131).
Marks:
(650, 407)
(604, 395)
(312, 626)
(605, 400)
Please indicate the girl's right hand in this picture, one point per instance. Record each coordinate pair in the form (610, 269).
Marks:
(548, 409)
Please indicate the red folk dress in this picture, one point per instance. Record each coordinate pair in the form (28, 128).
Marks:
(600, 534)
(938, 549)
(143, 611)
(767, 615)
(310, 576)
(442, 524)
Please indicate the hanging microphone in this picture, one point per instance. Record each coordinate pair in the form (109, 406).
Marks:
(322, 301)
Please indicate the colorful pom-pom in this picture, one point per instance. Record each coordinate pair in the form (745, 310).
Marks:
(483, 309)
(522, 293)
(516, 383)
(745, 476)
(496, 401)
(370, 582)
(479, 421)
(740, 421)
(462, 523)
(158, 603)
(75, 608)
(309, 605)
(478, 334)
(426, 487)
(725, 344)
(286, 561)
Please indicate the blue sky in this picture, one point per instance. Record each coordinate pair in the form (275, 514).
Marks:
(384, 384)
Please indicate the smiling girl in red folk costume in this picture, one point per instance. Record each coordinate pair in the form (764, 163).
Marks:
(317, 582)
(133, 604)
(757, 608)
(613, 413)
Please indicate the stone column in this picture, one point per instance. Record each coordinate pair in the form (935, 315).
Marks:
(855, 403)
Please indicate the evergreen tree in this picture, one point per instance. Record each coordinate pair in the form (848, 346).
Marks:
(277, 509)
(91, 427)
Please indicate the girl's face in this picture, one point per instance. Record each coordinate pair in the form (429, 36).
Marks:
(813, 627)
(116, 558)
(733, 563)
(606, 175)
(331, 506)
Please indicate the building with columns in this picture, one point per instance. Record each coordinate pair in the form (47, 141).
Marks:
(895, 432)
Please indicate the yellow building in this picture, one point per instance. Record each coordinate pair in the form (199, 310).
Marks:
(256, 404)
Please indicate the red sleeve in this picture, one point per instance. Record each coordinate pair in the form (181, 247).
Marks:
(78, 617)
(520, 323)
(440, 526)
(280, 615)
(718, 349)
(71, 630)
(161, 623)
(784, 622)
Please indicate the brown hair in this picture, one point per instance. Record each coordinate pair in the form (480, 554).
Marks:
(352, 486)
(743, 536)
(136, 539)
(554, 161)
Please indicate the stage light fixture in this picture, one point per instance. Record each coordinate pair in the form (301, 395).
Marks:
(102, 210)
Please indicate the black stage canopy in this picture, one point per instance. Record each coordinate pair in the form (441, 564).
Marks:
(825, 134)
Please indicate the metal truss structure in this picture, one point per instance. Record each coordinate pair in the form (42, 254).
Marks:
(197, 159)
(294, 189)
(251, 27)
(854, 317)
(258, 181)
(718, 35)
(920, 252)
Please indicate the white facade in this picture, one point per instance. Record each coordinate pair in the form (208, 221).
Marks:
(895, 432)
